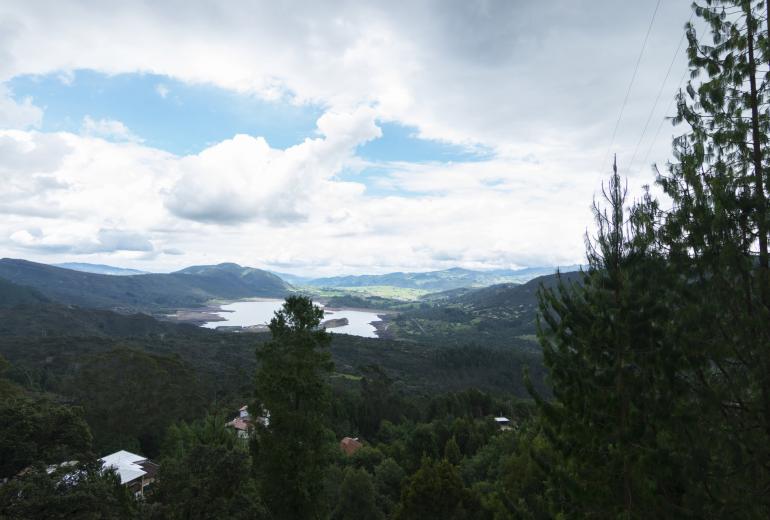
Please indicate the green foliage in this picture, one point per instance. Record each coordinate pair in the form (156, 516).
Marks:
(291, 385)
(357, 497)
(81, 492)
(38, 431)
(205, 472)
(131, 397)
(436, 491)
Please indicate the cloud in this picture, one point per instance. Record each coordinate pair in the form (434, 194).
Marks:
(108, 129)
(162, 90)
(543, 97)
(15, 114)
(104, 241)
(243, 178)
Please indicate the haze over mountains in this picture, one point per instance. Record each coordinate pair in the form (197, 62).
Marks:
(433, 281)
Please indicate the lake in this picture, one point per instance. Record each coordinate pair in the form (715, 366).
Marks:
(247, 314)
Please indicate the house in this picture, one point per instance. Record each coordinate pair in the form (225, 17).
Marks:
(503, 423)
(350, 445)
(137, 473)
(243, 424)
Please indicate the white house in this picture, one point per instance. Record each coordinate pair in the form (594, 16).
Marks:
(136, 472)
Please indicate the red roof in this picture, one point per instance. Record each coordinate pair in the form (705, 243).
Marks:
(350, 445)
(239, 424)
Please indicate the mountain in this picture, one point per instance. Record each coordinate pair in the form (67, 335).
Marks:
(502, 314)
(234, 279)
(191, 287)
(56, 320)
(99, 269)
(448, 279)
(12, 294)
(293, 279)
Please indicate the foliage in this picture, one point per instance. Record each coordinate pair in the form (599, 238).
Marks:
(357, 497)
(291, 386)
(205, 472)
(82, 492)
(436, 491)
(38, 431)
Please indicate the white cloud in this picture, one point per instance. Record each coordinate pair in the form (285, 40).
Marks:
(15, 114)
(102, 241)
(162, 90)
(537, 83)
(108, 129)
(244, 178)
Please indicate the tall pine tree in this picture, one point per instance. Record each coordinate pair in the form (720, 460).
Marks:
(716, 237)
(614, 374)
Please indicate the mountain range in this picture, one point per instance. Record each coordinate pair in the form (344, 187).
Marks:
(99, 269)
(190, 287)
(447, 279)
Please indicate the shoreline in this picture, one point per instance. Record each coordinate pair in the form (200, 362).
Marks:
(211, 313)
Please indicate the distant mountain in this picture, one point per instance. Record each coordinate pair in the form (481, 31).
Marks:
(148, 292)
(293, 279)
(99, 269)
(502, 314)
(440, 280)
(12, 294)
(233, 278)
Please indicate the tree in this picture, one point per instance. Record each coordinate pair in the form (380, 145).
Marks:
(614, 373)
(83, 492)
(37, 431)
(436, 491)
(357, 497)
(292, 386)
(205, 472)
(716, 238)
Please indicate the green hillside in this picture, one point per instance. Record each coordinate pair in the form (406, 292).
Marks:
(147, 292)
(501, 315)
(12, 294)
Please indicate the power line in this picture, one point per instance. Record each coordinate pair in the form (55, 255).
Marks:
(657, 99)
(631, 84)
(663, 120)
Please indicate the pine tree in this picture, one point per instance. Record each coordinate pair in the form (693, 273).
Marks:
(716, 237)
(613, 373)
(292, 386)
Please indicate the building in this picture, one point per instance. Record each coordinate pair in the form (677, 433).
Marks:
(243, 424)
(137, 473)
(350, 445)
(503, 423)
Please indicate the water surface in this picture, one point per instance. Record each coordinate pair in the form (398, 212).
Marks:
(247, 314)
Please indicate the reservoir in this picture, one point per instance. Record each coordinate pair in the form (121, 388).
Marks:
(251, 313)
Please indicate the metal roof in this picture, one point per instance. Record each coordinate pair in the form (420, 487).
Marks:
(126, 464)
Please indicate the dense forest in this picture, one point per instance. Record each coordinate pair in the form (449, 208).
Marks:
(645, 394)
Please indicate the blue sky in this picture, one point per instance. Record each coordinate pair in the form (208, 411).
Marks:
(185, 118)
(105, 162)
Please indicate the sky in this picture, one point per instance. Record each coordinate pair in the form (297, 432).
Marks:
(324, 138)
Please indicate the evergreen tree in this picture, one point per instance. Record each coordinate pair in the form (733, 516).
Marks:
(614, 374)
(205, 472)
(716, 237)
(357, 497)
(437, 491)
(292, 386)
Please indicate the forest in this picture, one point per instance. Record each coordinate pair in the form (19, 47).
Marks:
(645, 395)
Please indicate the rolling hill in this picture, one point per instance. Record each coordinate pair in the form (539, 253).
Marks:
(99, 269)
(438, 280)
(500, 315)
(191, 287)
(12, 294)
